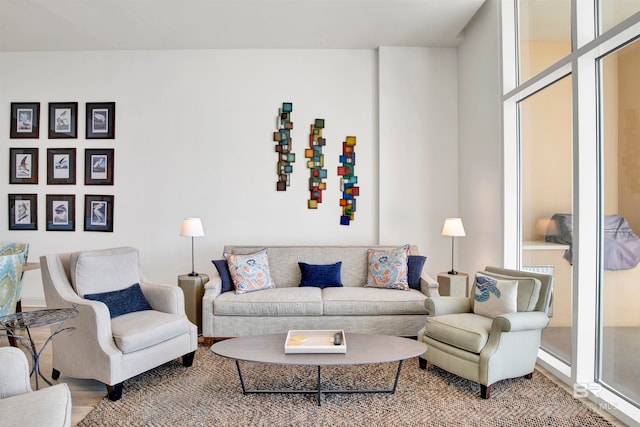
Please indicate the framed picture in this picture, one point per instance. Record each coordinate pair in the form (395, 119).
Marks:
(61, 166)
(98, 213)
(101, 120)
(98, 166)
(61, 212)
(23, 165)
(23, 211)
(25, 120)
(63, 120)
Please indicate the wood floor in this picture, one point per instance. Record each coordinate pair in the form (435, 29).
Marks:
(85, 394)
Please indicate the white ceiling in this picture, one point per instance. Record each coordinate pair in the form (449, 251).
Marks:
(45, 25)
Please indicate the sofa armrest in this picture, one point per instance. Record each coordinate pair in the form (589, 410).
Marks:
(522, 321)
(165, 298)
(214, 283)
(428, 285)
(14, 372)
(439, 306)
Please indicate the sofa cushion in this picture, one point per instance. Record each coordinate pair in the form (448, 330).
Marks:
(142, 329)
(104, 270)
(123, 301)
(305, 301)
(223, 272)
(388, 269)
(415, 263)
(320, 275)
(250, 272)
(467, 331)
(528, 289)
(493, 297)
(365, 301)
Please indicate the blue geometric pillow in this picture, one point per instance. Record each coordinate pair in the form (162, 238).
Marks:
(223, 271)
(321, 276)
(127, 300)
(415, 264)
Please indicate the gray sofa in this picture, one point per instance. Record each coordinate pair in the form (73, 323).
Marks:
(353, 307)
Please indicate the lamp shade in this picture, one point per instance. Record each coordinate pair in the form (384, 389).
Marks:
(192, 227)
(453, 227)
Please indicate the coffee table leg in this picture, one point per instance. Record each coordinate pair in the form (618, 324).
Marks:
(318, 388)
(395, 384)
(244, 390)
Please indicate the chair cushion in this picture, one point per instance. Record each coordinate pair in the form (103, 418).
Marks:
(320, 275)
(493, 297)
(528, 289)
(305, 301)
(142, 329)
(467, 331)
(104, 270)
(250, 272)
(127, 300)
(388, 269)
(49, 406)
(365, 301)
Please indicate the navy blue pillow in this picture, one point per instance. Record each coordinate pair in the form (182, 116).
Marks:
(127, 300)
(223, 271)
(414, 265)
(321, 276)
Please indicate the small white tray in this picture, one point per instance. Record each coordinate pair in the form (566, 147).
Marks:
(314, 341)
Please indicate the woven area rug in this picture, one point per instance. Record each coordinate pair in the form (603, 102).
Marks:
(209, 394)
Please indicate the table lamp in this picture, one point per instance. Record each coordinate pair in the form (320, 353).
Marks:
(453, 227)
(192, 227)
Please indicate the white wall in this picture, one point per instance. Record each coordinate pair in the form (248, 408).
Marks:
(194, 138)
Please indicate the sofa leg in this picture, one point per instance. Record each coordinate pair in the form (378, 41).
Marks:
(55, 374)
(207, 341)
(485, 391)
(114, 392)
(423, 363)
(529, 375)
(187, 359)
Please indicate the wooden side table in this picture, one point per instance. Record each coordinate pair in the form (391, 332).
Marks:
(193, 288)
(455, 285)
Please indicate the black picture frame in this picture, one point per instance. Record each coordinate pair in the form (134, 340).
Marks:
(61, 166)
(23, 211)
(25, 120)
(98, 166)
(63, 120)
(98, 212)
(23, 165)
(101, 120)
(61, 212)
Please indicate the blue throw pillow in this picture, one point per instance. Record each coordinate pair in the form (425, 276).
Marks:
(415, 264)
(321, 276)
(223, 271)
(127, 300)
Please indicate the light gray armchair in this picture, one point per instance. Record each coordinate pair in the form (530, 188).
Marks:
(107, 349)
(485, 349)
(19, 405)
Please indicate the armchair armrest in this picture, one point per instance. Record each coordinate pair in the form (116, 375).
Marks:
(522, 321)
(14, 372)
(428, 285)
(165, 298)
(439, 306)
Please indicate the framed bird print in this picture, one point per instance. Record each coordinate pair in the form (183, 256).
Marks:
(98, 213)
(61, 212)
(23, 165)
(25, 120)
(61, 166)
(23, 211)
(98, 166)
(63, 120)
(101, 120)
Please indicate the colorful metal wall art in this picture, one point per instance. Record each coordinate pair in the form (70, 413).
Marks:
(317, 173)
(286, 157)
(348, 180)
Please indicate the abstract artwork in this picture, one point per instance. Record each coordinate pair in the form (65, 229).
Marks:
(286, 157)
(348, 180)
(315, 163)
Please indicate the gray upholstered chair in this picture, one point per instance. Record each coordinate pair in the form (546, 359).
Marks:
(485, 349)
(152, 330)
(19, 405)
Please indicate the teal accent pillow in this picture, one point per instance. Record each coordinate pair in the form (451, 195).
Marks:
(321, 275)
(127, 300)
(223, 271)
(415, 263)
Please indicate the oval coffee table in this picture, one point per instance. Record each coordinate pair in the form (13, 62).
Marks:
(361, 349)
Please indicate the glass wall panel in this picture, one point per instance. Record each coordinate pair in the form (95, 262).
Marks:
(612, 12)
(619, 329)
(546, 180)
(544, 34)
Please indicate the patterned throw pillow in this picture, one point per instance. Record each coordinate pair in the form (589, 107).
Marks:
(493, 297)
(388, 269)
(250, 272)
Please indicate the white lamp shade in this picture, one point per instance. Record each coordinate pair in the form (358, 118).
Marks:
(546, 227)
(192, 227)
(453, 227)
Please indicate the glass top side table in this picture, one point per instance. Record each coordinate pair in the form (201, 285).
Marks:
(35, 319)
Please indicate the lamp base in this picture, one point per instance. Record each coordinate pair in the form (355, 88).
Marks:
(193, 273)
(448, 272)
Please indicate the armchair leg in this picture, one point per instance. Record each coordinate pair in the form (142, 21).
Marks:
(423, 363)
(187, 359)
(114, 392)
(485, 391)
(55, 374)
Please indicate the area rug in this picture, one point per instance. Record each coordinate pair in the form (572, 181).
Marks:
(209, 394)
